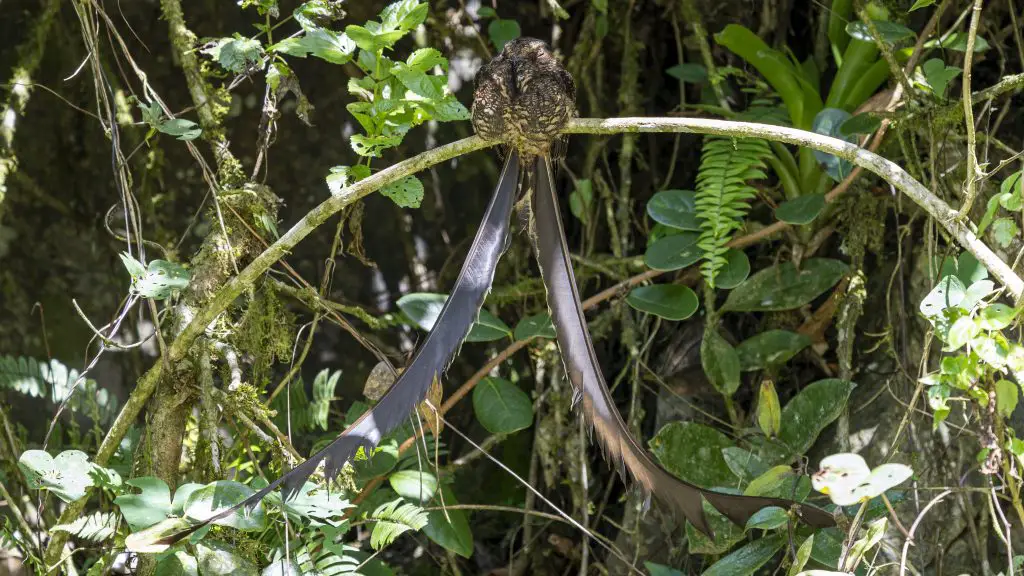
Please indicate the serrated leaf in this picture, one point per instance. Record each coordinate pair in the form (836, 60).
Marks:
(501, 406)
(783, 287)
(237, 55)
(501, 31)
(403, 15)
(668, 301)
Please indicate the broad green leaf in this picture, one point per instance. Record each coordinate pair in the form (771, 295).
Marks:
(743, 463)
(1005, 231)
(780, 482)
(450, 528)
(180, 128)
(238, 55)
(1007, 394)
(372, 38)
(803, 554)
(413, 485)
(957, 41)
(801, 210)
(68, 475)
(720, 362)
(161, 280)
(770, 348)
(938, 75)
(179, 563)
(806, 415)
(152, 540)
(975, 293)
(1011, 192)
(501, 406)
(151, 506)
(181, 497)
(965, 267)
(675, 208)
(668, 301)
(960, 333)
(735, 271)
(418, 82)
(688, 72)
(538, 325)
(406, 192)
(947, 294)
(217, 558)
(864, 123)
(404, 15)
(783, 287)
(423, 309)
(768, 518)
(449, 110)
(218, 496)
(693, 452)
(890, 32)
(674, 252)
(997, 316)
(918, 4)
(135, 268)
(501, 31)
(425, 59)
(828, 546)
(581, 199)
(746, 560)
(828, 122)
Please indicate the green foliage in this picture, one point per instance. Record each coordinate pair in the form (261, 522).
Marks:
(95, 528)
(501, 406)
(423, 308)
(724, 194)
(784, 287)
(536, 326)
(669, 301)
(68, 476)
(56, 382)
(394, 519)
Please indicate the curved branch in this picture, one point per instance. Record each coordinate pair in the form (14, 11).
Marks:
(870, 161)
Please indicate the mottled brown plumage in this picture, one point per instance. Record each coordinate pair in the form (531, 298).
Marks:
(524, 97)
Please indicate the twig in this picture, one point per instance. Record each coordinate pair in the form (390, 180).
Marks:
(913, 528)
(972, 152)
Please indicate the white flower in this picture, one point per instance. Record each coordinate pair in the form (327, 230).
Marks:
(847, 480)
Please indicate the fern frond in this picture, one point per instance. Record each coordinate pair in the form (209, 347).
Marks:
(28, 376)
(394, 519)
(723, 194)
(95, 527)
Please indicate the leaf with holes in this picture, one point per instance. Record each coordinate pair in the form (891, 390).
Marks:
(161, 280)
(406, 192)
(948, 293)
(668, 301)
(67, 475)
(501, 406)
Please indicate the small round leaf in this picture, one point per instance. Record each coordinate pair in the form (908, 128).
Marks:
(674, 252)
(675, 208)
(669, 301)
(735, 271)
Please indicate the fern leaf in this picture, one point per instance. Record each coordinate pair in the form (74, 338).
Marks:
(323, 392)
(95, 527)
(37, 379)
(394, 519)
(723, 194)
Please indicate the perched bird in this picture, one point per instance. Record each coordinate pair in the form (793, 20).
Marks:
(523, 98)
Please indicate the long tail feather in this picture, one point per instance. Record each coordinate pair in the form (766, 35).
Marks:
(431, 360)
(584, 372)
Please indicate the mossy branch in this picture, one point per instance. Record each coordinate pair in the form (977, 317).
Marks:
(887, 170)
